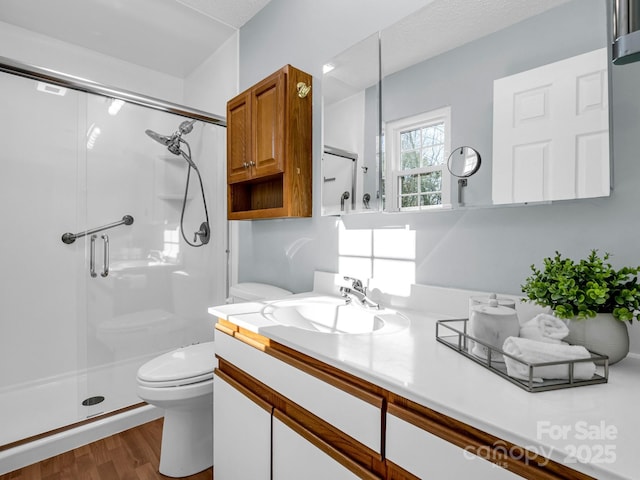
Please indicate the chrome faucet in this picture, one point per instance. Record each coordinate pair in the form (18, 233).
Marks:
(357, 291)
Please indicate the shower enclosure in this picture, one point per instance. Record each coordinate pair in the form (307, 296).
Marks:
(78, 318)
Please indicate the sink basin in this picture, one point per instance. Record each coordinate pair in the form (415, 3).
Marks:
(334, 316)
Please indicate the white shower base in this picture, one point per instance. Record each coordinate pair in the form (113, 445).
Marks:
(32, 409)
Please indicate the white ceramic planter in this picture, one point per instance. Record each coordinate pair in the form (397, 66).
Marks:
(601, 334)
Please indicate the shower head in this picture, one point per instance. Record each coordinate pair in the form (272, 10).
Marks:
(162, 139)
(186, 126)
(173, 142)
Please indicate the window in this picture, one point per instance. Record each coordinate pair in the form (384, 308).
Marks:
(417, 152)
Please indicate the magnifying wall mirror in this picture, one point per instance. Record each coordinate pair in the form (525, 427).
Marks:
(463, 162)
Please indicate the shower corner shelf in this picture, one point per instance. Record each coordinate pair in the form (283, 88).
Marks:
(453, 334)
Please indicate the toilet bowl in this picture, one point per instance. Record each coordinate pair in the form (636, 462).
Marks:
(181, 382)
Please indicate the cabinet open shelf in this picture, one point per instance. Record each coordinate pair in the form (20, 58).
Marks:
(257, 198)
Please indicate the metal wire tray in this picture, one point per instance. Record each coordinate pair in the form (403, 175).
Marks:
(453, 334)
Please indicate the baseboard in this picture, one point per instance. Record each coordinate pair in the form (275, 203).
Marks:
(52, 445)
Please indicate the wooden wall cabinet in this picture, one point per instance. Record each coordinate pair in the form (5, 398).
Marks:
(269, 165)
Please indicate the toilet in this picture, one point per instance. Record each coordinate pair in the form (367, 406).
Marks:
(181, 382)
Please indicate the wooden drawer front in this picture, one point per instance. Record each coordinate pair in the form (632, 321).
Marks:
(357, 418)
(428, 456)
(297, 453)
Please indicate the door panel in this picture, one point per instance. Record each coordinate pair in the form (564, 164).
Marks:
(268, 125)
(239, 134)
(551, 132)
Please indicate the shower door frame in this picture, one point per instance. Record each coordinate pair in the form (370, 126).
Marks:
(60, 79)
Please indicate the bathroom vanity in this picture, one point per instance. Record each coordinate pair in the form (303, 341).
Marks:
(395, 404)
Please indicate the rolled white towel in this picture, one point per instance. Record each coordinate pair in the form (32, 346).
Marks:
(532, 351)
(544, 328)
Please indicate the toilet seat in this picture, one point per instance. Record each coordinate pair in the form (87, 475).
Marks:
(184, 366)
(180, 382)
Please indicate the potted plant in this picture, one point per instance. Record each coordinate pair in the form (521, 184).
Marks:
(596, 299)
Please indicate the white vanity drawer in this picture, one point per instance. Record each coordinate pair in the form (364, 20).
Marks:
(313, 459)
(429, 456)
(360, 419)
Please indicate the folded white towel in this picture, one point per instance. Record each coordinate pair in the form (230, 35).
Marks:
(532, 351)
(544, 328)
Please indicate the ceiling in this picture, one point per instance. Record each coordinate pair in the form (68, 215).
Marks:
(170, 36)
(440, 26)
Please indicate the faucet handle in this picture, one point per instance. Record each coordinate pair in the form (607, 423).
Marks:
(355, 283)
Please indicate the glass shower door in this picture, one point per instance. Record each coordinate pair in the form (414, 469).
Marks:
(39, 298)
(150, 291)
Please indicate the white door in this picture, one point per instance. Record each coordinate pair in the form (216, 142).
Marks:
(551, 132)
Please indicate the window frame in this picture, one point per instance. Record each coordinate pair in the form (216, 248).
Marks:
(393, 159)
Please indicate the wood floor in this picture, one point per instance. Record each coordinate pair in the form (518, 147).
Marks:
(131, 455)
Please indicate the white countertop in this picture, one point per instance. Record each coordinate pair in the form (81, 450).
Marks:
(599, 423)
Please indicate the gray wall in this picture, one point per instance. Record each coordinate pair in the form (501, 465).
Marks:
(487, 249)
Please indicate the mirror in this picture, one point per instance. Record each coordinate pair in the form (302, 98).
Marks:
(350, 90)
(525, 83)
(439, 81)
(463, 162)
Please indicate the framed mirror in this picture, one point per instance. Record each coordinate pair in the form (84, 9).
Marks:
(526, 83)
(351, 126)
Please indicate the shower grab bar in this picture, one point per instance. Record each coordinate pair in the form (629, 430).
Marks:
(69, 238)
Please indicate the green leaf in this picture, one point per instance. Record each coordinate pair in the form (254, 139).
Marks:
(584, 288)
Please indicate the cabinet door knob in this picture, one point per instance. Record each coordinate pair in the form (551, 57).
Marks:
(245, 165)
(253, 164)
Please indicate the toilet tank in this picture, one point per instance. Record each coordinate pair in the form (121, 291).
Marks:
(250, 291)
